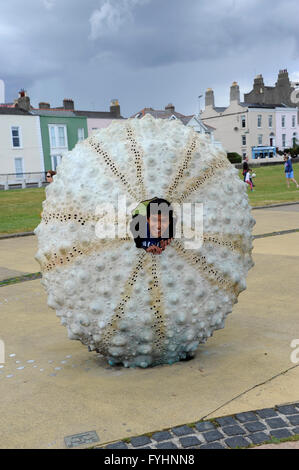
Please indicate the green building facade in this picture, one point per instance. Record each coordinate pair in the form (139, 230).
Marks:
(60, 132)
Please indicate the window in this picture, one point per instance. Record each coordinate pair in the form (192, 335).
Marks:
(19, 167)
(270, 120)
(294, 120)
(243, 139)
(260, 139)
(244, 155)
(61, 136)
(16, 139)
(294, 139)
(243, 121)
(52, 137)
(283, 120)
(56, 159)
(80, 134)
(57, 136)
(259, 120)
(283, 140)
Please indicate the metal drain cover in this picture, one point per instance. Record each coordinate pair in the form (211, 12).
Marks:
(82, 438)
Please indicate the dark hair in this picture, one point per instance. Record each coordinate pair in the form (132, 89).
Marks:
(139, 222)
(153, 207)
(52, 173)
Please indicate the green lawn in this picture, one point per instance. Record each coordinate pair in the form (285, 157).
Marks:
(271, 187)
(20, 209)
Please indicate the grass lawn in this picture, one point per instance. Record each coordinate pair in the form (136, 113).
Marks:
(271, 187)
(20, 209)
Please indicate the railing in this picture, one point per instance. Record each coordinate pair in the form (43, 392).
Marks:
(22, 180)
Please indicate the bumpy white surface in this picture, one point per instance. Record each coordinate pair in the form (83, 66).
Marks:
(137, 308)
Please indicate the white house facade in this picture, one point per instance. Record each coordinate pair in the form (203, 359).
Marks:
(287, 127)
(20, 143)
(251, 130)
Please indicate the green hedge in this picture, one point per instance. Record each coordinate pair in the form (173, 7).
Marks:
(234, 157)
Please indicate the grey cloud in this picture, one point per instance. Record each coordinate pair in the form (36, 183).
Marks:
(145, 52)
(189, 31)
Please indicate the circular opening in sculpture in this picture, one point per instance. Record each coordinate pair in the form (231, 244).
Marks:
(152, 225)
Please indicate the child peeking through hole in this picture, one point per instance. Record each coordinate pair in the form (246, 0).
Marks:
(153, 225)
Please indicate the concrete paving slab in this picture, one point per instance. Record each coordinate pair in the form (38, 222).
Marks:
(18, 254)
(282, 445)
(282, 245)
(287, 208)
(268, 220)
(43, 401)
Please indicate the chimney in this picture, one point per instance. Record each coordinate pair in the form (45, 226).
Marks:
(283, 78)
(170, 108)
(43, 105)
(235, 92)
(115, 108)
(23, 102)
(258, 84)
(68, 104)
(209, 98)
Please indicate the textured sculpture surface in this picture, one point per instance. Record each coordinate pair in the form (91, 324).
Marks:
(134, 307)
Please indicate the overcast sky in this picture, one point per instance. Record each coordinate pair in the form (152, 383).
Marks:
(144, 52)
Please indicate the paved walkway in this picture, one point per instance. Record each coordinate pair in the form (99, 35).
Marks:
(17, 257)
(275, 219)
(52, 388)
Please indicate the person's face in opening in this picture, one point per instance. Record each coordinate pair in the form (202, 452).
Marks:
(49, 178)
(158, 224)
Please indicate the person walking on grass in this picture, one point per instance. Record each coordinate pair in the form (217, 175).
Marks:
(289, 172)
(245, 170)
(248, 179)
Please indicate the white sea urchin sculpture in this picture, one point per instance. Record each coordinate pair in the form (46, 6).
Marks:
(137, 308)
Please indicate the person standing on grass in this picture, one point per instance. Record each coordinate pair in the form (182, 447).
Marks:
(245, 167)
(289, 172)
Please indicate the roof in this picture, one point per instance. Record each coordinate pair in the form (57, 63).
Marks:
(262, 105)
(14, 111)
(97, 114)
(209, 127)
(221, 109)
(159, 113)
(53, 112)
(203, 124)
(186, 119)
